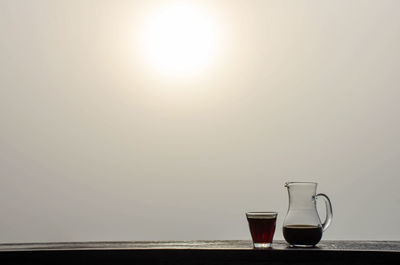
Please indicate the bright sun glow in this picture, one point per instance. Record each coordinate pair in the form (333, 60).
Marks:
(180, 40)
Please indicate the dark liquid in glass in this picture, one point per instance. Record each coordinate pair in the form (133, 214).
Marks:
(308, 235)
(262, 229)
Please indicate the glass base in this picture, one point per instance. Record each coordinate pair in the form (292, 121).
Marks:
(262, 245)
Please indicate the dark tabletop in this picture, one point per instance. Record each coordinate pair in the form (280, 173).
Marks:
(279, 245)
(199, 252)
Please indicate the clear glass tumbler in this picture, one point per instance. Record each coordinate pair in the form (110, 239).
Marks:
(262, 228)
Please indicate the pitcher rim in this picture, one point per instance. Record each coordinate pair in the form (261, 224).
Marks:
(300, 182)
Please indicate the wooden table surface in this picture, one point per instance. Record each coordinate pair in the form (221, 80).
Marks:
(199, 252)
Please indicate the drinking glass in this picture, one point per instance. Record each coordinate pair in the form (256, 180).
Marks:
(262, 228)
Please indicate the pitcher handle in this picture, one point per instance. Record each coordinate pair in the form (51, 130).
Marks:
(329, 214)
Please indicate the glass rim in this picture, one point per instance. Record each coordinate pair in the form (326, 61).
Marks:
(260, 214)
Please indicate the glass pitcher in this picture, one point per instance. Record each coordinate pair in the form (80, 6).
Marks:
(302, 226)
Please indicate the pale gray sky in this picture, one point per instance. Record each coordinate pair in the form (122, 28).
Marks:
(97, 142)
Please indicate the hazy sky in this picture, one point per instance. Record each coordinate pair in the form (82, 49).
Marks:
(157, 120)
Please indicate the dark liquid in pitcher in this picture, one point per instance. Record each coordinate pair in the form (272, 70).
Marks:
(308, 235)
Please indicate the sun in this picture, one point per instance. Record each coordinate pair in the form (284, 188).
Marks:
(180, 40)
